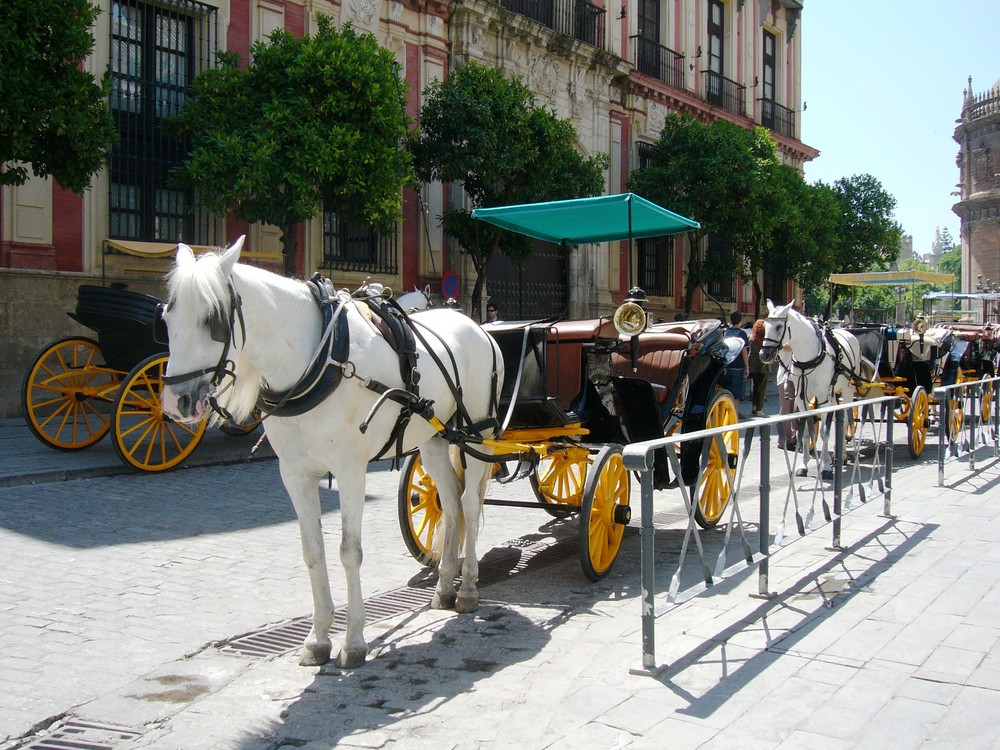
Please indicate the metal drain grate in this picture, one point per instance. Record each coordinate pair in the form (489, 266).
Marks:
(290, 636)
(83, 735)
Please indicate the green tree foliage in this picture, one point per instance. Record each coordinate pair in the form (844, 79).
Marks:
(800, 232)
(951, 262)
(869, 237)
(54, 117)
(312, 123)
(717, 174)
(488, 133)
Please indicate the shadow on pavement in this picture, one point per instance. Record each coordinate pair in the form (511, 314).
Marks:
(412, 675)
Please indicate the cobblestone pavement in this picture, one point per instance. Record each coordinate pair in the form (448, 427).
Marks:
(118, 594)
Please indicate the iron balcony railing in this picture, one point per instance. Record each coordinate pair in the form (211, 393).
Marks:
(579, 19)
(780, 119)
(725, 93)
(657, 61)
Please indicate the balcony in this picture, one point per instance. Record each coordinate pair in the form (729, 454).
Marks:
(780, 119)
(658, 62)
(725, 93)
(576, 18)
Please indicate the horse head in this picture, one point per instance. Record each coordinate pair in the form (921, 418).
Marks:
(416, 300)
(776, 333)
(200, 318)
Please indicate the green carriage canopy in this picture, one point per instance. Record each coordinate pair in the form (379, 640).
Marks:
(580, 220)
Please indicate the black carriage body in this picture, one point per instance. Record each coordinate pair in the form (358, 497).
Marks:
(124, 322)
(581, 372)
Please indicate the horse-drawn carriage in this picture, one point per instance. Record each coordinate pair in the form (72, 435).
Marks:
(577, 391)
(907, 363)
(78, 389)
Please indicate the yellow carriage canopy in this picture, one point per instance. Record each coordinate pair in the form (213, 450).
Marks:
(879, 278)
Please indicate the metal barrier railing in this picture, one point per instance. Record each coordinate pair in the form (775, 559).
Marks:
(968, 416)
(869, 426)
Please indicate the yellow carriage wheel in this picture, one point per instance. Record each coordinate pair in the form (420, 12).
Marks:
(144, 437)
(715, 486)
(986, 402)
(605, 512)
(916, 421)
(419, 509)
(956, 417)
(67, 394)
(559, 478)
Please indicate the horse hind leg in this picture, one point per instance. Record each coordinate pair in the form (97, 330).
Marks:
(434, 456)
(476, 478)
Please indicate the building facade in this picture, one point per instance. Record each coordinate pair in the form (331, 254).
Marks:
(615, 68)
(978, 136)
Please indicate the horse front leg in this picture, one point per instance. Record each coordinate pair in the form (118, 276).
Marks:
(476, 478)
(303, 489)
(352, 499)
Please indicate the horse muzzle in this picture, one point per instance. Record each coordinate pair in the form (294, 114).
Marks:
(767, 354)
(186, 404)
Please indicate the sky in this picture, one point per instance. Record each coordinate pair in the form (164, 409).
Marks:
(883, 83)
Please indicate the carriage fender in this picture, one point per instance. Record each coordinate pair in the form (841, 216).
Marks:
(728, 349)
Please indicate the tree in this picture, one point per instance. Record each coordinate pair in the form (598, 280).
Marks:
(486, 132)
(54, 117)
(715, 174)
(312, 124)
(869, 237)
(803, 237)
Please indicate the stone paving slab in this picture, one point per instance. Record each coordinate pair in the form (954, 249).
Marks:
(116, 590)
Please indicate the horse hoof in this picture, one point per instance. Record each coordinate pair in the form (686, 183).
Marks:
(443, 601)
(801, 473)
(351, 658)
(315, 656)
(828, 474)
(466, 604)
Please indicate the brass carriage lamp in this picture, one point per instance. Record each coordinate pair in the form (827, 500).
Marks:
(631, 319)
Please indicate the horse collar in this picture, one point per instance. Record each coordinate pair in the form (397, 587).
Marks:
(815, 361)
(326, 370)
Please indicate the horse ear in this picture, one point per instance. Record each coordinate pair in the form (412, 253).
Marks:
(185, 254)
(770, 307)
(232, 255)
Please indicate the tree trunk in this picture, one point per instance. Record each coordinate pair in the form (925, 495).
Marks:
(482, 271)
(757, 293)
(290, 247)
(691, 283)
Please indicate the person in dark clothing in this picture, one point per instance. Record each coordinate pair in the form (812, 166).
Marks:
(739, 368)
(759, 372)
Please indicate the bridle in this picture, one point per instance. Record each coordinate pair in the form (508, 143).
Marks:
(769, 343)
(222, 328)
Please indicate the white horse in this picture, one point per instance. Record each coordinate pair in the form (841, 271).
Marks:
(822, 368)
(266, 334)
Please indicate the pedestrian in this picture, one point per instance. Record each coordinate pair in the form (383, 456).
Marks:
(738, 370)
(491, 312)
(759, 372)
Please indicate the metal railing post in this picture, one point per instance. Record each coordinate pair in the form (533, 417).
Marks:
(838, 474)
(943, 428)
(888, 414)
(643, 463)
(973, 393)
(764, 541)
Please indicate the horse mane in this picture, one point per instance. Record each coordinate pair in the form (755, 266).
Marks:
(203, 282)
